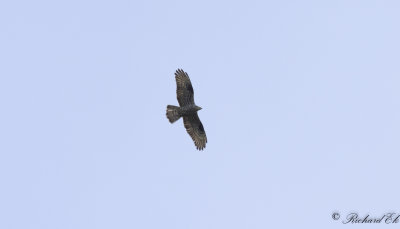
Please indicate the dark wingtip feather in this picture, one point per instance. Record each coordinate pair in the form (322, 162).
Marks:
(179, 70)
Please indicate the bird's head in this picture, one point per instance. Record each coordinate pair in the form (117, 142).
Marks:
(198, 108)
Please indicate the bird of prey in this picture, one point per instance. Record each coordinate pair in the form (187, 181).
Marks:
(187, 110)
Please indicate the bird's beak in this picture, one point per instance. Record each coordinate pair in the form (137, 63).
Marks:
(200, 108)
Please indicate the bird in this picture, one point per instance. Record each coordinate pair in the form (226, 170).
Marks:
(187, 109)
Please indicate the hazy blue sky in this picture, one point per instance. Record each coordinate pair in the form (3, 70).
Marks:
(300, 105)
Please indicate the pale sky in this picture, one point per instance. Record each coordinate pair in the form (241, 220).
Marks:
(300, 105)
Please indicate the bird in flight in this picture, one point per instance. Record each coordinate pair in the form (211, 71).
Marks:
(187, 110)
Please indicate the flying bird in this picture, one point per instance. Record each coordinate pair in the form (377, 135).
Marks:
(187, 110)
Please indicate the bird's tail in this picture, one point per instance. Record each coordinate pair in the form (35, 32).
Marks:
(172, 113)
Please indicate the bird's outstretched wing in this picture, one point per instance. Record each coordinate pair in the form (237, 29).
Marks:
(196, 130)
(184, 89)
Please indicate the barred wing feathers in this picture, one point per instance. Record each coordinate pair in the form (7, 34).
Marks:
(195, 129)
(184, 89)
